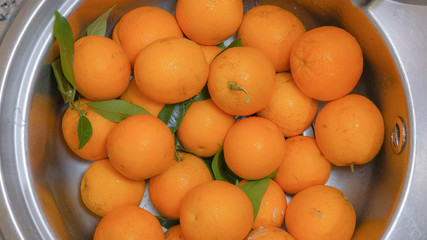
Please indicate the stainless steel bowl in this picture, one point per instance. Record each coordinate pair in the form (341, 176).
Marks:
(39, 176)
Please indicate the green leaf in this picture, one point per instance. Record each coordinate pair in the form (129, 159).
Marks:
(116, 110)
(235, 43)
(202, 95)
(84, 130)
(63, 33)
(255, 190)
(167, 222)
(172, 114)
(99, 26)
(221, 45)
(221, 170)
(67, 91)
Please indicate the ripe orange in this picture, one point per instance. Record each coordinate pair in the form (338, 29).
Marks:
(96, 147)
(320, 213)
(129, 222)
(216, 210)
(271, 212)
(203, 128)
(349, 130)
(167, 189)
(135, 96)
(141, 146)
(174, 233)
(103, 188)
(269, 233)
(289, 108)
(303, 165)
(241, 80)
(273, 30)
(210, 52)
(209, 22)
(326, 63)
(254, 148)
(171, 70)
(101, 68)
(142, 26)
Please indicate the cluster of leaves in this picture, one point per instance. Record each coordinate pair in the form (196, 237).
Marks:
(117, 110)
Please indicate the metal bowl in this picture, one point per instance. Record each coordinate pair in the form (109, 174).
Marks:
(39, 176)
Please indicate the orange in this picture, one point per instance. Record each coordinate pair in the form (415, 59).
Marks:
(216, 210)
(135, 96)
(129, 222)
(254, 148)
(142, 26)
(101, 68)
(241, 80)
(326, 63)
(273, 30)
(303, 165)
(271, 212)
(210, 52)
(96, 147)
(349, 130)
(320, 213)
(209, 22)
(141, 146)
(269, 233)
(167, 189)
(171, 70)
(174, 233)
(203, 128)
(289, 108)
(103, 188)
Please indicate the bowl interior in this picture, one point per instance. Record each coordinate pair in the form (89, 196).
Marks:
(373, 188)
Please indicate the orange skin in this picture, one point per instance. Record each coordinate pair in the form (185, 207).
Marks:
(269, 233)
(129, 222)
(141, 146)
(326, 63)
(169, 188)
(171, 70)
(101, 68)
(271, 212)
(273, 30)
(320, 213)
(210, 52)
(135, 96)
(289, 108)
(349, 130)
(216, 210)
(248, 68)
(254, 148)
(303, 165)
(103, 188)
(174, 233)
(203, 128)
(209, 22)
(96, 147)
(142, 26)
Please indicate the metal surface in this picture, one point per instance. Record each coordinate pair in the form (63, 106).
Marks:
(39, 176)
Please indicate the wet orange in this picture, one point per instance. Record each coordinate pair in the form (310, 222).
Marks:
(103, 188)
(254, 148)
(141, 146)
(320, 213)
(269, 233)
(326, 63)
(209, 22)
(289, 108)
(273, 30)
(171, 70)
(241, 80)
(100, 67)
(174, 233)
(203, 128)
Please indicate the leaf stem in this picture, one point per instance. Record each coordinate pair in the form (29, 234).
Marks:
(232, 86)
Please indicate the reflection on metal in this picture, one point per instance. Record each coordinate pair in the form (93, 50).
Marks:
(398, 135)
